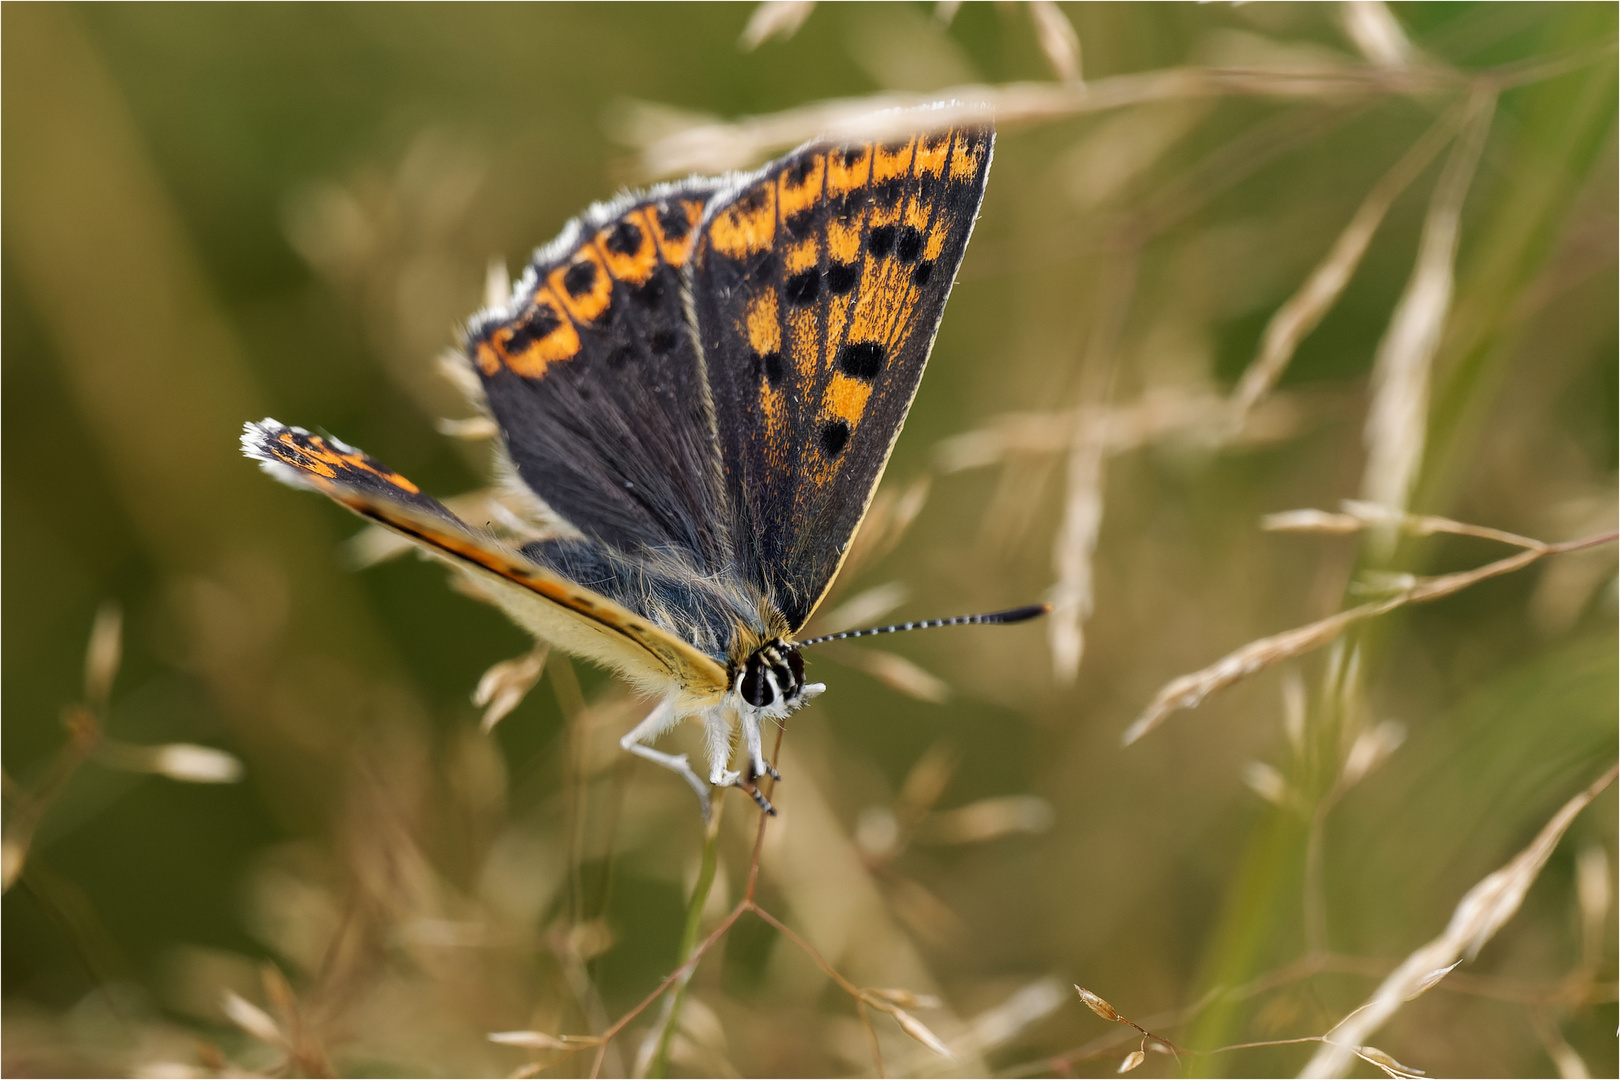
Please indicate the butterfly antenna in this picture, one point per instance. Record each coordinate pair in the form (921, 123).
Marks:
(1014, 615)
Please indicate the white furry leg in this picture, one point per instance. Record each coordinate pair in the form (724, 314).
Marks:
(718, 726)
(717, 731)
(657, 722)
(756, 753)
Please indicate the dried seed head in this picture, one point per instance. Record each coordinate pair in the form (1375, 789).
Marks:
(877, 832)
(1266, 782)
(1390, 1067)
(988, 819)
(1132, 1060)
(528, 1040)
(919, 1031)
(193, 764)
(1592, 881)
(13, 854)
(102, 657)
(900, 674)
(1293, 691)
(1098, 1005)
(253, 1020)
(1429, 981)
(1370, 750)
(1313, 521)
(1057, 38)
(505, 685)
(774, 19)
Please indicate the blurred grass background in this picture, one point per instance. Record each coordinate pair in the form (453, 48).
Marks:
(217, 213)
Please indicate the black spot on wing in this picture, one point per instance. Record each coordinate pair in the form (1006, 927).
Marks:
(861, 360)
(625, 239)
(661, 340)
(834, 437)
(842, 277)
(799, 171)
(579, 278)
(922, 272)
(802, 289)
(672, 220)
(801, 225)
(538, 323)
(908, 244)
(767, 367)
(880, 241)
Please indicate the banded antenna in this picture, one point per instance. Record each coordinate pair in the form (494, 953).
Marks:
(994, 618)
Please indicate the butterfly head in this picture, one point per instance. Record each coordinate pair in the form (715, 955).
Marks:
(771, 680)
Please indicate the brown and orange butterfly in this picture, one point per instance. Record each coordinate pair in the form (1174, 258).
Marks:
(697, 390)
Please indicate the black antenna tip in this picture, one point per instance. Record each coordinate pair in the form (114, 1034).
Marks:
(1021, 614)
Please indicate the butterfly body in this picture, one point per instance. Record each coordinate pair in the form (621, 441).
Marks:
(697, 389)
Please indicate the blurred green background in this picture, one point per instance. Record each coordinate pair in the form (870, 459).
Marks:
(215, 213)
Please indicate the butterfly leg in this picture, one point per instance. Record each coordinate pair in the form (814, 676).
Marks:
(756, 756)
(659, 721)
(756, 762)
(718, 727)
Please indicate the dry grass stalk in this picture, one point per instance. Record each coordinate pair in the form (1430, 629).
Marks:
(1189, 691)
(1397, 420)
(1358, 515)
(1478, 915)
(1071, 596)
(1059, 41)
(1564, 1056)
(666, 149)
(1076, 541)
(1158, 414)
(1303, 311)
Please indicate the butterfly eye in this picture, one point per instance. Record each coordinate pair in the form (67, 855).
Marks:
(754, 687)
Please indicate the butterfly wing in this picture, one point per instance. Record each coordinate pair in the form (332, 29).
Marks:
(818, 285)
(582, 620)
(593, 375)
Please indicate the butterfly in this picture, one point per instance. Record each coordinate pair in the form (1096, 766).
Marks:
(697, 389)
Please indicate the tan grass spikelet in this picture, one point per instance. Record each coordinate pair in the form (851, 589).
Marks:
(1477, 917)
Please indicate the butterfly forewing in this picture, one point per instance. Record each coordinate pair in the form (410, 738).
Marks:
(593, 375)
(818, 285)
(602, 621)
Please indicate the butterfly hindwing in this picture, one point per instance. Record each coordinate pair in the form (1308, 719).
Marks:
(818, 285)
(597, 623)
(593, 374)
